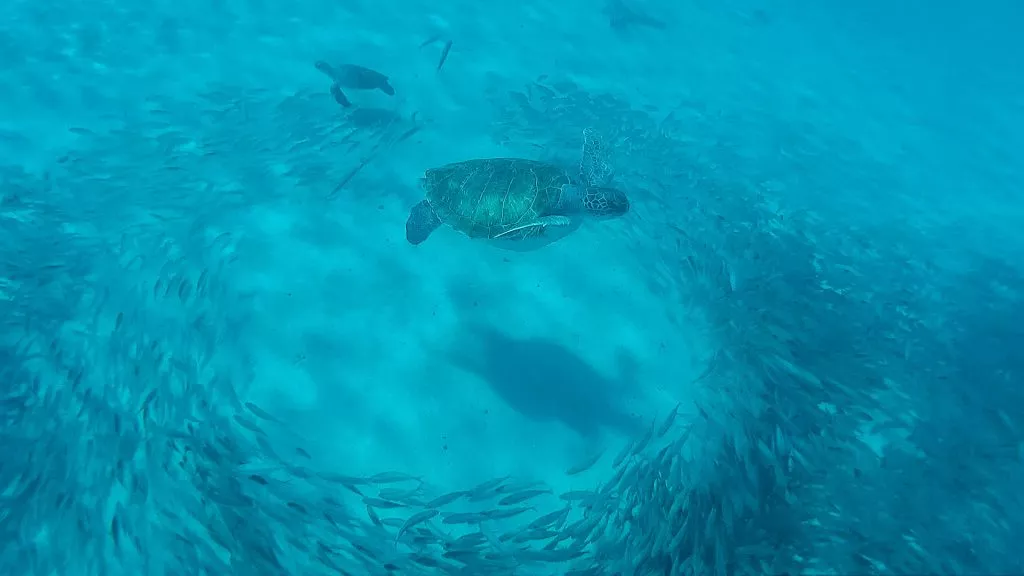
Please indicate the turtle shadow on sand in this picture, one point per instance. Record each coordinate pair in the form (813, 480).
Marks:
(625, 16)
(545, 381)
(373, 117)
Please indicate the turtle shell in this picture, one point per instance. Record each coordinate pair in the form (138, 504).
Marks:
(359, 77)
(487, 197)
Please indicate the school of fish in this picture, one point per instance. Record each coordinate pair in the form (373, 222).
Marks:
(129, 446)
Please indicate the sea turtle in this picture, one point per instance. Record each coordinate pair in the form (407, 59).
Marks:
(521, 204)
(354, 77)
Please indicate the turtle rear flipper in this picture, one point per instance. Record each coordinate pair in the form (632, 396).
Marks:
(421, 223)
(594, 167)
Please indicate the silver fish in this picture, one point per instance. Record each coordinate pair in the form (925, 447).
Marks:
(669, 420)
(415, 519)
(392, 478)
(521, 496)
(445, 499)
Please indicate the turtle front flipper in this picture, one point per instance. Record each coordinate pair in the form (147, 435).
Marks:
(421, 223)
(335, 77)
(339, 96)
(594, 167)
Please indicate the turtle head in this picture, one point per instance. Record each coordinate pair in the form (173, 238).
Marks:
(601, 202)
(325, 68)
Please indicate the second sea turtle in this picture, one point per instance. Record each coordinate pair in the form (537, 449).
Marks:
(353, 77)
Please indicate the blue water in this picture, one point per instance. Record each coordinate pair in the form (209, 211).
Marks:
(799, 352)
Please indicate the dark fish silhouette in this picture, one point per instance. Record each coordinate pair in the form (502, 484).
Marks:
(444, 54)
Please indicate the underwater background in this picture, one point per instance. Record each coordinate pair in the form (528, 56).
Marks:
(800, 352)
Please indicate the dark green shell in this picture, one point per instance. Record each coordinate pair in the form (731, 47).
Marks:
(487, 197)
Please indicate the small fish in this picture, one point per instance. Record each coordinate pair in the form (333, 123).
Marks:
(115, 528)
(184, 291)
(548, 555)
(551, 518)
(146, 401)
(201, 282)
(329, 518)
(458, 554)
(521, 496)
(444, 54)
(247, 424)
(392, 478)
(415, 519)
(342, 479)
(463, 518)
(574, 495)
(397, 494)
(486, 489)
(470, 540)
(350, 175)
(667, 425)
(536, 534)
(261, 413)
(614, 481)
(584, 465)
(445, 499)
(623, 454)
(406, 135)
(373, 516)
(303, 453)
(427, 561)
(382, 504)
(430, 40)
(642, 443)
(519, 486)
(503, 513)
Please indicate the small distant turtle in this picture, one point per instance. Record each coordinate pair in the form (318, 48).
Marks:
(521, 204)
(353, 77)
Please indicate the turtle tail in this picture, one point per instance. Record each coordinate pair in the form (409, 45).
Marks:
(422, 221)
